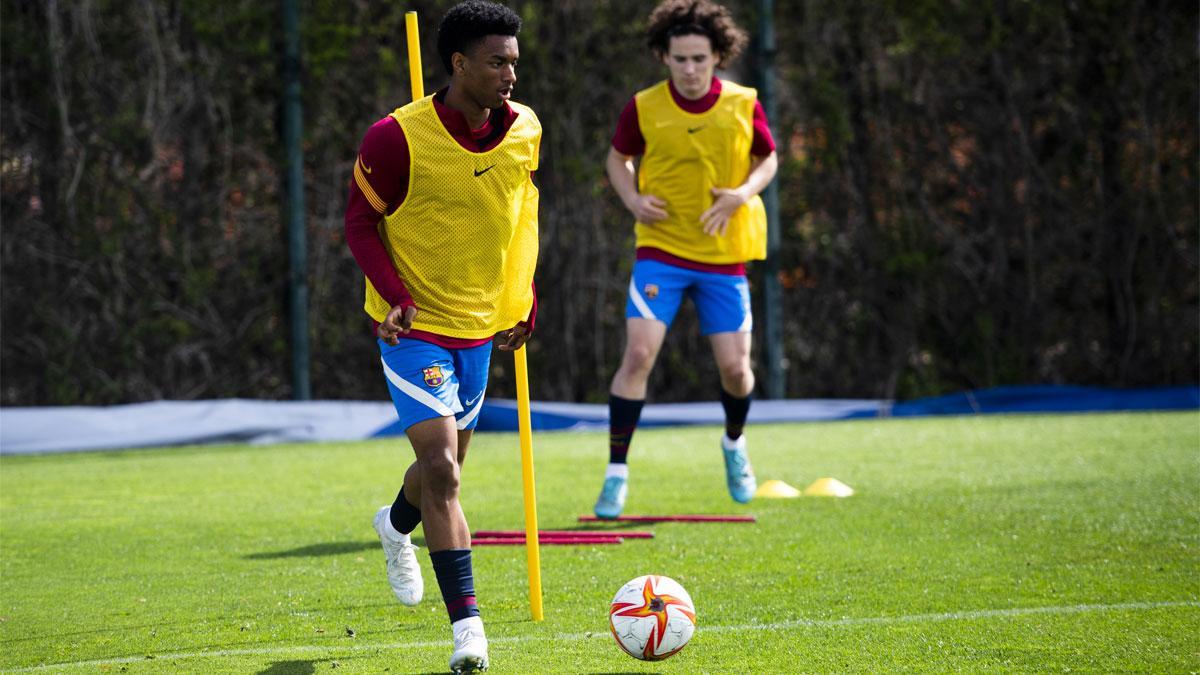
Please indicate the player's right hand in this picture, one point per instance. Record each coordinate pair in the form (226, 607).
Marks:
(399, 320)
(649, 209)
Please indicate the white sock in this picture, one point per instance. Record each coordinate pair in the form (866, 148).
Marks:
(618, 470)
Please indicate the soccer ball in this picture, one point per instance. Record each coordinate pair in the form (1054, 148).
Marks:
(652, 617)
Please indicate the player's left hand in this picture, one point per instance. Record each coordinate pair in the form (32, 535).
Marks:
(398, 321)
(725, 202)
(514, 338)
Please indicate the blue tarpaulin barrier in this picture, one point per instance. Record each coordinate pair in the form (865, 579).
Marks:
(1049, 399)
(502, 415)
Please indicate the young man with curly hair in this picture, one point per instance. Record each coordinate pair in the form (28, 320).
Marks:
(443, 220)
(705, 152)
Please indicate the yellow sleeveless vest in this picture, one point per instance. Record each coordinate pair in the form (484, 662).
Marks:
(686, 156)
(465, 238)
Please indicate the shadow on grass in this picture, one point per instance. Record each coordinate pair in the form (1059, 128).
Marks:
(302, 667)
(328, 548)
(291, 668)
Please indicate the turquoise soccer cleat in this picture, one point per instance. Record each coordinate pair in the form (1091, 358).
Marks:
(739, 475)
(612, 498)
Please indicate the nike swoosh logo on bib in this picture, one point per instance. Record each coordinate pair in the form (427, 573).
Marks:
(479, 173)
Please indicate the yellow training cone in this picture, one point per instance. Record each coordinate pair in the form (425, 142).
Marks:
(828, 487)
(777, 489)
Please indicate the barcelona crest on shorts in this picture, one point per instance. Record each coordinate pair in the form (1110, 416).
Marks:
(651, 291)
(433, 376)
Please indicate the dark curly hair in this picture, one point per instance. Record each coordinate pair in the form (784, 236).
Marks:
(467, 23)
(673, 18)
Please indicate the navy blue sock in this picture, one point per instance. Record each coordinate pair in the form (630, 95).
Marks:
(404, 516)
(736, 411)
(453, 570)
(623, 416)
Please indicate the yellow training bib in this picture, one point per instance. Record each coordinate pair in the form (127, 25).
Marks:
(688, 154)
(465, 239)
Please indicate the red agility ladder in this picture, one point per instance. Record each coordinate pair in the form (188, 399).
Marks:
(564, 541)
(563, 534)
(682, 518)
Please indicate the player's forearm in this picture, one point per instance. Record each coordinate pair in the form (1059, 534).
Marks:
(362, 236)
(621, 174)
(762, 170)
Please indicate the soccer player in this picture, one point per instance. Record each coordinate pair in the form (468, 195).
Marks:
(443, 220)
(705, 153)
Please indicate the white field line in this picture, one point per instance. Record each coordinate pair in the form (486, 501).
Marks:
(310, 650)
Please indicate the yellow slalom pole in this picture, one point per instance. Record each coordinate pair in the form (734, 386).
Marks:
(414, 56)
(533, 557)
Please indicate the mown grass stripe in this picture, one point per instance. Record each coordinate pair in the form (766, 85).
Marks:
(966, 615)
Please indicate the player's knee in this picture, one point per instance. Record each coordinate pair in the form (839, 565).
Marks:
(639, 358)
(439, 476)
(738, 378)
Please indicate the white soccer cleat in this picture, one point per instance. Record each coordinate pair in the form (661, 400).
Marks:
(403, 570)
(470, 646)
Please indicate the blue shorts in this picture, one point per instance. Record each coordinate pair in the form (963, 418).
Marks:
(428, 381)
(656, 290)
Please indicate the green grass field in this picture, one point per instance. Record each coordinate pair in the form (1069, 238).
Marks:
(1011, 543)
